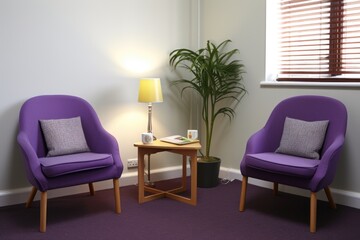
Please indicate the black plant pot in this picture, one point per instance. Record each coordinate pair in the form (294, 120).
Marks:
(208, 172)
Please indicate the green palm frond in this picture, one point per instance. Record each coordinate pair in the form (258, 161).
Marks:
(217, 78)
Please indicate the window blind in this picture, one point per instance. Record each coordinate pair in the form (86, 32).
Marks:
(319, 40)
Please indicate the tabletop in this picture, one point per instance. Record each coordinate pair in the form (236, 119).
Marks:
(164, 145)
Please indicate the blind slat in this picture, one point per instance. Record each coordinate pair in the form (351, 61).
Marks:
(319, 39)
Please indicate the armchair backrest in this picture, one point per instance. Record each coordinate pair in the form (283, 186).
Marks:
(308, 108)
(54, 107)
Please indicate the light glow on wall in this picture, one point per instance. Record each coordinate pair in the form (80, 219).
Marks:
(136, 64)
(139, 59)
(130, 122)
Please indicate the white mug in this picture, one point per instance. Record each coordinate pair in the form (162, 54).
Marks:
(147, 138)
(192, 134)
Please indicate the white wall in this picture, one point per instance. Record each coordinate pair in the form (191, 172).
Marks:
(244, 22)
(97, 50)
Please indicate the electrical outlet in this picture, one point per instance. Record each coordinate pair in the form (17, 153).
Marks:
(132, 163)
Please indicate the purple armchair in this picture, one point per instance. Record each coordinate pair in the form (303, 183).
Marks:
(102, 162)
(262, 162)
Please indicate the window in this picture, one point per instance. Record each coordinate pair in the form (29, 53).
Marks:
(317, 40)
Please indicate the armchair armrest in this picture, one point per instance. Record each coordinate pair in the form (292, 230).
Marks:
(325, 172)
(105, 142)
(32, 162)
(101, 141)
(260, 141)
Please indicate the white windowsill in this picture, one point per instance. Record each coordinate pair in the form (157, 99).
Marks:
(311, 84)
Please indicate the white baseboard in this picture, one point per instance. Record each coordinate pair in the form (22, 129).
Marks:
(18, 196)
(343, 197)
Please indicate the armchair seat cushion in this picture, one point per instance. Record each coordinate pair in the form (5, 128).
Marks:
(65, 164)
(282, 164)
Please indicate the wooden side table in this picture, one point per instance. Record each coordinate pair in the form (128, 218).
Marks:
(184, 150)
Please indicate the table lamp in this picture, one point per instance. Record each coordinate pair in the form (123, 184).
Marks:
(150, 92)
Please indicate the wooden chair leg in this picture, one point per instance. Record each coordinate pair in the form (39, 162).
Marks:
(31, 197)
(243, 193)
(91, 189)
(117, 195)
(276, 188)
(330, 198)
(43, 210)
(313, 209)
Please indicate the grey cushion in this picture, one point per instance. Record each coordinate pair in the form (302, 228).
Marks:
(64, 136)
(302, 138)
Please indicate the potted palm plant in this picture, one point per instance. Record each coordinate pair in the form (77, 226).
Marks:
(216, 77)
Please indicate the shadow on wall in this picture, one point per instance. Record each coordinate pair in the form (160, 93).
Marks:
(12, 170)
(186, 102)
(344, 164)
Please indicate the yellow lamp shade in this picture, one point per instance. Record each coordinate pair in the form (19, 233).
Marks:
(150, 90)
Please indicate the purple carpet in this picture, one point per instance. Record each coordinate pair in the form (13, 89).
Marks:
(216, 216)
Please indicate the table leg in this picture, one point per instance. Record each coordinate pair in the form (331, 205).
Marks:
(157, 193)
(141, 175)
(183, 184)
(193, 179)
